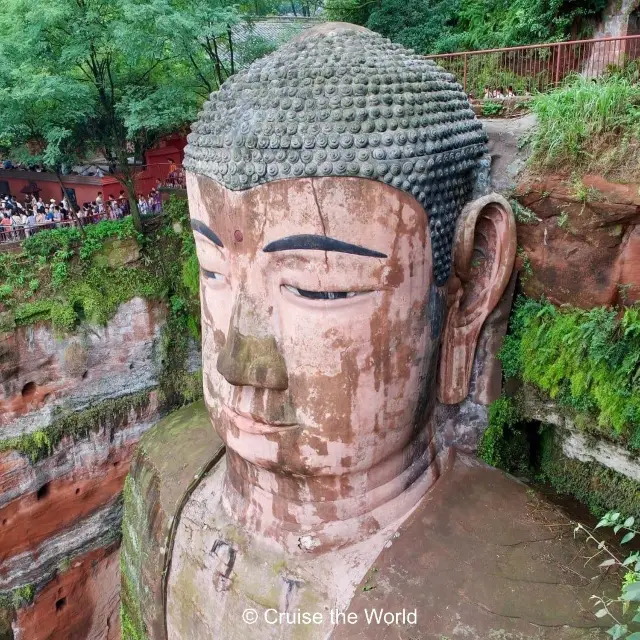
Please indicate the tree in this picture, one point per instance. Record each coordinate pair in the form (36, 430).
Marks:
(76, 77)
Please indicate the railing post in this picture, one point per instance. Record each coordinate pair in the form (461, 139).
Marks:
(559, 56)
(464, 82)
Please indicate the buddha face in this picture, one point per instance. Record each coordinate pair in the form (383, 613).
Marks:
(318, 353)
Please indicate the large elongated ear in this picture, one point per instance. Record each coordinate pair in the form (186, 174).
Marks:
(483, 255)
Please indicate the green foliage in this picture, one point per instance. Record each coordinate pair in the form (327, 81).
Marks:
(40, 444)
(491, 108)
(587, 360)
(57, 277)
(588, 124)
(17, 598)
(438, 26)
(523, 214)
(629, 567)
(354, 11)
(503, 444)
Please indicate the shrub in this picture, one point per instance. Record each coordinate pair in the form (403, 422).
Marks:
(503, 444)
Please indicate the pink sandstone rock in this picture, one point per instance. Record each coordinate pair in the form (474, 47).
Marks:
(584, 249)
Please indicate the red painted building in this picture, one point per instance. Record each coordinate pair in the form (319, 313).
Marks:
(158, 162)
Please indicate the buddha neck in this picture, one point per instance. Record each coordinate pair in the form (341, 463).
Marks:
(322, 513)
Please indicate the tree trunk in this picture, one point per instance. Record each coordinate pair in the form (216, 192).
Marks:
(129, 184)
(74, 211)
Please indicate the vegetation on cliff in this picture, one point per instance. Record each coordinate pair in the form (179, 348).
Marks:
(589, 361)
(67, 278)
(590, 125)
(64, 277)
(77, 425)
(72, 280)
(438, 26)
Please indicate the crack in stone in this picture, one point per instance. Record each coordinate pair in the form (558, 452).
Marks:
(324, 228)
(508, 617)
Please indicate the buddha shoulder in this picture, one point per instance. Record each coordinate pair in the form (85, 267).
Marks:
(170, 460)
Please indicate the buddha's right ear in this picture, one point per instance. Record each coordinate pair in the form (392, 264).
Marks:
(484, 252)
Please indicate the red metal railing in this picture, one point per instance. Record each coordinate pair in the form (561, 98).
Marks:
(536, 68)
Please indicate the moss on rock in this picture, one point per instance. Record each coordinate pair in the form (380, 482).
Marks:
(77, 425)
(599, 488)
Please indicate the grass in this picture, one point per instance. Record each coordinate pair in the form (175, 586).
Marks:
(589, 125)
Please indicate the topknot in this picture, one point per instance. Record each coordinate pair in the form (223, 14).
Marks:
(344, 101)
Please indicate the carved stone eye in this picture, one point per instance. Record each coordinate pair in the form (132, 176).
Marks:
(213, 275)
(322, 295)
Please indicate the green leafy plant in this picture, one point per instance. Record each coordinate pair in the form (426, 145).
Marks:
(629, 598)
(523, 214)
(492, 108)
(563, 220)
(503, 444)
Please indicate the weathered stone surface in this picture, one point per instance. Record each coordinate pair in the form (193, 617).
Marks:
(481, 558)
(575, 443)
(584, 251)
(38, 377)
(108, 445)
(117, 253)
(78, 405)
(39, 564)
(81, 603)
(620, 18)
(508, 155)
(159, 484)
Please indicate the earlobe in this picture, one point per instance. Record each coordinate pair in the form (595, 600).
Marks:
(483, 257)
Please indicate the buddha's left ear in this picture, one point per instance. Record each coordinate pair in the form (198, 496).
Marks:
(484, 252)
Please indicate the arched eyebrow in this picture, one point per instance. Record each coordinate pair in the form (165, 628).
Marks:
(320, 243)
(202, 228)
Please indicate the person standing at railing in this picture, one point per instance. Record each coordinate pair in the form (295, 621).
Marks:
(123, 203)
(16, 224)
(31, 223)
(143, 206)
(5, 226)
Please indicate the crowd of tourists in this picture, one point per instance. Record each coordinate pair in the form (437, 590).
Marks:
(21, 220)
(492, 93)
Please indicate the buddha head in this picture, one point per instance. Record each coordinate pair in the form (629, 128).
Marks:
(339, 275)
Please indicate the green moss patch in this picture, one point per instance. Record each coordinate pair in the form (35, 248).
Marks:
(504, 444)
(78, 425)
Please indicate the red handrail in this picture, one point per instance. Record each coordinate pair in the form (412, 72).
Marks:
(531, 46)
(537, 67)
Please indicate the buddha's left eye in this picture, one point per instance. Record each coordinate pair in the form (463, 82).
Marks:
(213, 275)
(322, 295)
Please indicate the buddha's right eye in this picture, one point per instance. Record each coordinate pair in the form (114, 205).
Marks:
(213, 275)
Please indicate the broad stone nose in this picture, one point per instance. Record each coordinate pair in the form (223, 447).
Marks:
(250, 356)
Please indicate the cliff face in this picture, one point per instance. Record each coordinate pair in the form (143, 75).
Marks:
(71, 411)
(581, 239)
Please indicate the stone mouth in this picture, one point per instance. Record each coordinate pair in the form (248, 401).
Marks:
(255, 424)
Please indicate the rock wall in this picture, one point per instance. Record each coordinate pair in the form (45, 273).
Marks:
(580, 240)
(72, 409)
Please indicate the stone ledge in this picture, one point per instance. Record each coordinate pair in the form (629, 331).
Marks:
(579, 446)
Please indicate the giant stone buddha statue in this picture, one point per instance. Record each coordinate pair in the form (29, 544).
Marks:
(345, 279)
